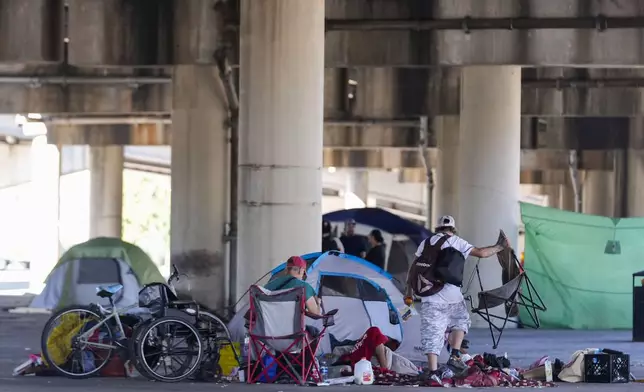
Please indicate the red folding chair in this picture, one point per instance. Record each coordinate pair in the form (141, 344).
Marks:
(277, 328)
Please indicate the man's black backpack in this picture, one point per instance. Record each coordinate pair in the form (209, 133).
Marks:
(435, 267)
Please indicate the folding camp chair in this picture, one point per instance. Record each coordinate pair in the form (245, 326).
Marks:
(277, 329)
(511, 295)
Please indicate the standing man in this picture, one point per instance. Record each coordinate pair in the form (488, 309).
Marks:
(354, 244)
(329, 241)
(445, 309)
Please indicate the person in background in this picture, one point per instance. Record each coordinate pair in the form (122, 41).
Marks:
(354, 244)
(329, 241)
(376, 255)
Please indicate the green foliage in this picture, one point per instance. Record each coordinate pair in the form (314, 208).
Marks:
(146, 213)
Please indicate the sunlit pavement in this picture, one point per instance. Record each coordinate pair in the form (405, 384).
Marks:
(20, 335)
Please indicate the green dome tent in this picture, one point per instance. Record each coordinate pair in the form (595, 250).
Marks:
(99, 261)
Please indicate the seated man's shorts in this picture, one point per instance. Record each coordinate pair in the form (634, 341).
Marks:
(436, 318)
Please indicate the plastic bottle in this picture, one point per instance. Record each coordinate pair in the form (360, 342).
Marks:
(244, 349)
(363, 372)
(548, 370)
(324, 370)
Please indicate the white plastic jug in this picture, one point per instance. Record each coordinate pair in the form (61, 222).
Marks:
(363, 372)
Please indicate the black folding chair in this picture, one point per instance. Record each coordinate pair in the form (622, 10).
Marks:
(516, 291)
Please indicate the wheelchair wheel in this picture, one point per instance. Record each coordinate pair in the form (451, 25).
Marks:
(215, 335)
(169, 349)
(133, 348)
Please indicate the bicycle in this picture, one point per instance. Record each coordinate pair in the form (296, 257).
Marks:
(85, 327)
(88, 335)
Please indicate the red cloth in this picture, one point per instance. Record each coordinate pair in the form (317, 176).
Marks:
(365, 347)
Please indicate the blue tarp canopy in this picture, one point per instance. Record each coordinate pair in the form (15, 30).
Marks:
(381, 219)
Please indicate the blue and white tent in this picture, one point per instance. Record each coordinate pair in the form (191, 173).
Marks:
(364, 295)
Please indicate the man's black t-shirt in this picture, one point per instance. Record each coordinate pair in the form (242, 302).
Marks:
(354, 244)
(376, 256)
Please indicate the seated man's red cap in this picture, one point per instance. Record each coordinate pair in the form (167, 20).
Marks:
(296, 261)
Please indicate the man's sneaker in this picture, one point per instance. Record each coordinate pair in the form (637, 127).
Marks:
(435, 380)
(456, 365)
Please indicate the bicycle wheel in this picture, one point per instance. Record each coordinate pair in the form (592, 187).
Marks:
(66, 347)
(161, 345)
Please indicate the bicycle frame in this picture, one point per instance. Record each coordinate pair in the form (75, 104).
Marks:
(113, 313)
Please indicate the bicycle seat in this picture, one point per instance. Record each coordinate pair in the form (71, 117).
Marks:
(109, 290)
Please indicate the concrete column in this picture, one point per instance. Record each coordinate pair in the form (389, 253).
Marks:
(200, 177)
(447, 173)
(357, 187)
(116, 32)
(106, 191)
(281, 129)
(598, 193)
(31, 31)
(43, 211)
(489, 173)
(635, 168)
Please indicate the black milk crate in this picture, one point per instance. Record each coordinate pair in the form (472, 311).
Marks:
(606, 368)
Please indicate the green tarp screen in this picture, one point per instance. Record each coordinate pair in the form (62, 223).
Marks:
(582, 266)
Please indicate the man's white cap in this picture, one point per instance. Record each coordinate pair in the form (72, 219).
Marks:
(446, 221)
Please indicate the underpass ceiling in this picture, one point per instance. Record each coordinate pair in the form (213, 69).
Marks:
(375, 92)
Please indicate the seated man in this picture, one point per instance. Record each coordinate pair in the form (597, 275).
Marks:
(295, 269)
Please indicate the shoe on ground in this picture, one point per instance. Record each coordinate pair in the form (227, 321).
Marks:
(456, 365)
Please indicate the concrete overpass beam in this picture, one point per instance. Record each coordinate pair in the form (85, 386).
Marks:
(116, 32)
(504, 46)
(281, 133)
(489, 153)
(31, 31)
(106, 192)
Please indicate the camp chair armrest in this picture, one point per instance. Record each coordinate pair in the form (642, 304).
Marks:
(327, 318)
(183, 303)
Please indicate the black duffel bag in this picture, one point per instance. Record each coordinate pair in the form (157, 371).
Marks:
(450, 264)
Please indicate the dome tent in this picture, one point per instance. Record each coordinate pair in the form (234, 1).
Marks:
(99, 261)
(364, 295)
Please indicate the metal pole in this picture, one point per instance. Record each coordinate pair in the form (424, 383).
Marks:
(226, 75)
(466, 24)
(583, 83)
(574, 180)
(107, 120)
(385, 122)
(422, 150)
(126, 80)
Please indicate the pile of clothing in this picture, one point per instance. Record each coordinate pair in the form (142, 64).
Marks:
(485, 370)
